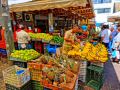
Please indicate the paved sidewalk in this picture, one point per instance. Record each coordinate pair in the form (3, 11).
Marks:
(112, 76)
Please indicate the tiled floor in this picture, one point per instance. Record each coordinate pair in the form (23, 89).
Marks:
(112, 76)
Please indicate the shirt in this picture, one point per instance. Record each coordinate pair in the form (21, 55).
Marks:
(113, 34)
(117, 37)
(115, 40)
(69, 35)
(67, 45)
(106, 34)
(22, 37)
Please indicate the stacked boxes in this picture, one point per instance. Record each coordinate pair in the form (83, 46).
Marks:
(83, 70)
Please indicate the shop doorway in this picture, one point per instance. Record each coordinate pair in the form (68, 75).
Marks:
(43, 25)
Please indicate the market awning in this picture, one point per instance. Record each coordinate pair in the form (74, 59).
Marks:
(114, 17)
(46, 4)
(79, 7)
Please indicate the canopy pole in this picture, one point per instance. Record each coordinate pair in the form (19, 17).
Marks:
(6, 23)
(50, 19)
(73, 22)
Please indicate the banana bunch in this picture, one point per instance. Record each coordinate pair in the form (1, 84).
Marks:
(90, 52)
(76, 47)
(86, 50)
(71, 53)
(102, 53)
(75, 52)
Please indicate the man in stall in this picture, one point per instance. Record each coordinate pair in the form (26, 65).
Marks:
(70, 39)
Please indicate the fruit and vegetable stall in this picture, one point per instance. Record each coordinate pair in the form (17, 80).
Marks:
(83, 63)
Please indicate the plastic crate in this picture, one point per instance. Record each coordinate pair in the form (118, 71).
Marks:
(39, 47)
(3, 45)
(36, 85)
(83, 71)
(94, 84)
(95, 77)
(20, 64)
(4, 55)
(97, 64)
(27, 86)
(35, 71)
(51, 48)
(34, 65)
(16, 76)
(36, 75)
(96, 68)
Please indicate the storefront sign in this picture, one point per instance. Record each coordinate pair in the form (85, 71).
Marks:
(19, 15)
(86, 21)
(28, 17)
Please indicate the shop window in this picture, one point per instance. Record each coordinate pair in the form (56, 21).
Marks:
(103, 10)
(101, 1)
(107, 10)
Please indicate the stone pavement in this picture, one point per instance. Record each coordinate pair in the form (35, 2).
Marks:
(112, 76)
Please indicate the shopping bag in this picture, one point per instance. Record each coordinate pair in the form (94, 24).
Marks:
(114, 54)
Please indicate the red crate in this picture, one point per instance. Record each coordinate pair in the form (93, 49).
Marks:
(39, 47)
(2, 45)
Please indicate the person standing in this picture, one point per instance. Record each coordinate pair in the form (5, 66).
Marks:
(112, 35)
(23, 39)
(106, 35)
(70, 39)
(116, 46)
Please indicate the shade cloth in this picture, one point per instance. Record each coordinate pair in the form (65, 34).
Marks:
(46, 4)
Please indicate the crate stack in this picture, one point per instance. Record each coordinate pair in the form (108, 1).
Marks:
(17, 78)
(36, 75)
(83, 71)
(36, 85)
(95, 77)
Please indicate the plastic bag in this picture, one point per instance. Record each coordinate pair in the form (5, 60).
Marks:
(114, 54)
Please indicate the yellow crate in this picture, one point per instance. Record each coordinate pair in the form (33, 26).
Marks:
(11, 77)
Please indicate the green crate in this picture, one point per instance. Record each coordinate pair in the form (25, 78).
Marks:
(94, 84)
(95, 77)
(94, 73)
(27, 86)
(36, 85)
(80, 87)
(96, 68)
